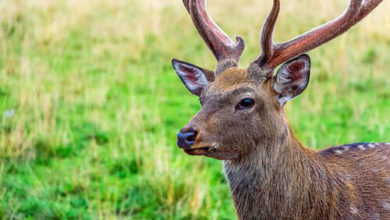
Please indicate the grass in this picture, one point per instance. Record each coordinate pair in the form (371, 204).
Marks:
(90, 106)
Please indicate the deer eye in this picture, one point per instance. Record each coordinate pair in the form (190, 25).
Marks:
(246, 103)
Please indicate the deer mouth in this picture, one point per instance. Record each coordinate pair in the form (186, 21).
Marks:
(198, 150)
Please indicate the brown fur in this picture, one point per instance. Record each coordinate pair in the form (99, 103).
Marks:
(271, 175)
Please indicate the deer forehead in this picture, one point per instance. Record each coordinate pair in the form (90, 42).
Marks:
(230, 80)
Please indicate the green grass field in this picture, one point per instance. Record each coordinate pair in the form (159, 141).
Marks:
(90, 105)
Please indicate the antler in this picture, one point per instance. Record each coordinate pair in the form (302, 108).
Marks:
(275, 54)
(219, 43)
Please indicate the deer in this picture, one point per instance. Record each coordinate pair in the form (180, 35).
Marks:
(243, 123)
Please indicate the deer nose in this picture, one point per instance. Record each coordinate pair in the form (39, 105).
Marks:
(185, 139)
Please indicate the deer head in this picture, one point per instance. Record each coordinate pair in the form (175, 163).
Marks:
(242, 109)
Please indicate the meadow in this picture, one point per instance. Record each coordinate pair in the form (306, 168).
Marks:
(90, 105)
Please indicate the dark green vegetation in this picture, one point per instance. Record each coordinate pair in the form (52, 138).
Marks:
(90, 106)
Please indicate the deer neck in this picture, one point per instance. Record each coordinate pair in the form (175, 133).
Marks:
(280, 176)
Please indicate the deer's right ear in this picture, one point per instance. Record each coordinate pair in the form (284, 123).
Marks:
(193, 77)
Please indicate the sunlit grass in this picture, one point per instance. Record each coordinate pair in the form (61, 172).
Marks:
(90, 106)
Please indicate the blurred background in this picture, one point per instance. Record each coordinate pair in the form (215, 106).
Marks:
(90, 105)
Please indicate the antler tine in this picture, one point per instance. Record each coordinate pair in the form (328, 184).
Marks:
(266, 40)
(219, 43)
(368, 6)
(273, 55)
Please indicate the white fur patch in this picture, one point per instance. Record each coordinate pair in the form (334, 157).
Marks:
(361, 147)
(284, 99)
(354, 210)
(386, 205)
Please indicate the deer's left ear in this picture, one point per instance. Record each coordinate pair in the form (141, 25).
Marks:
(193, 77)
(292, 78)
